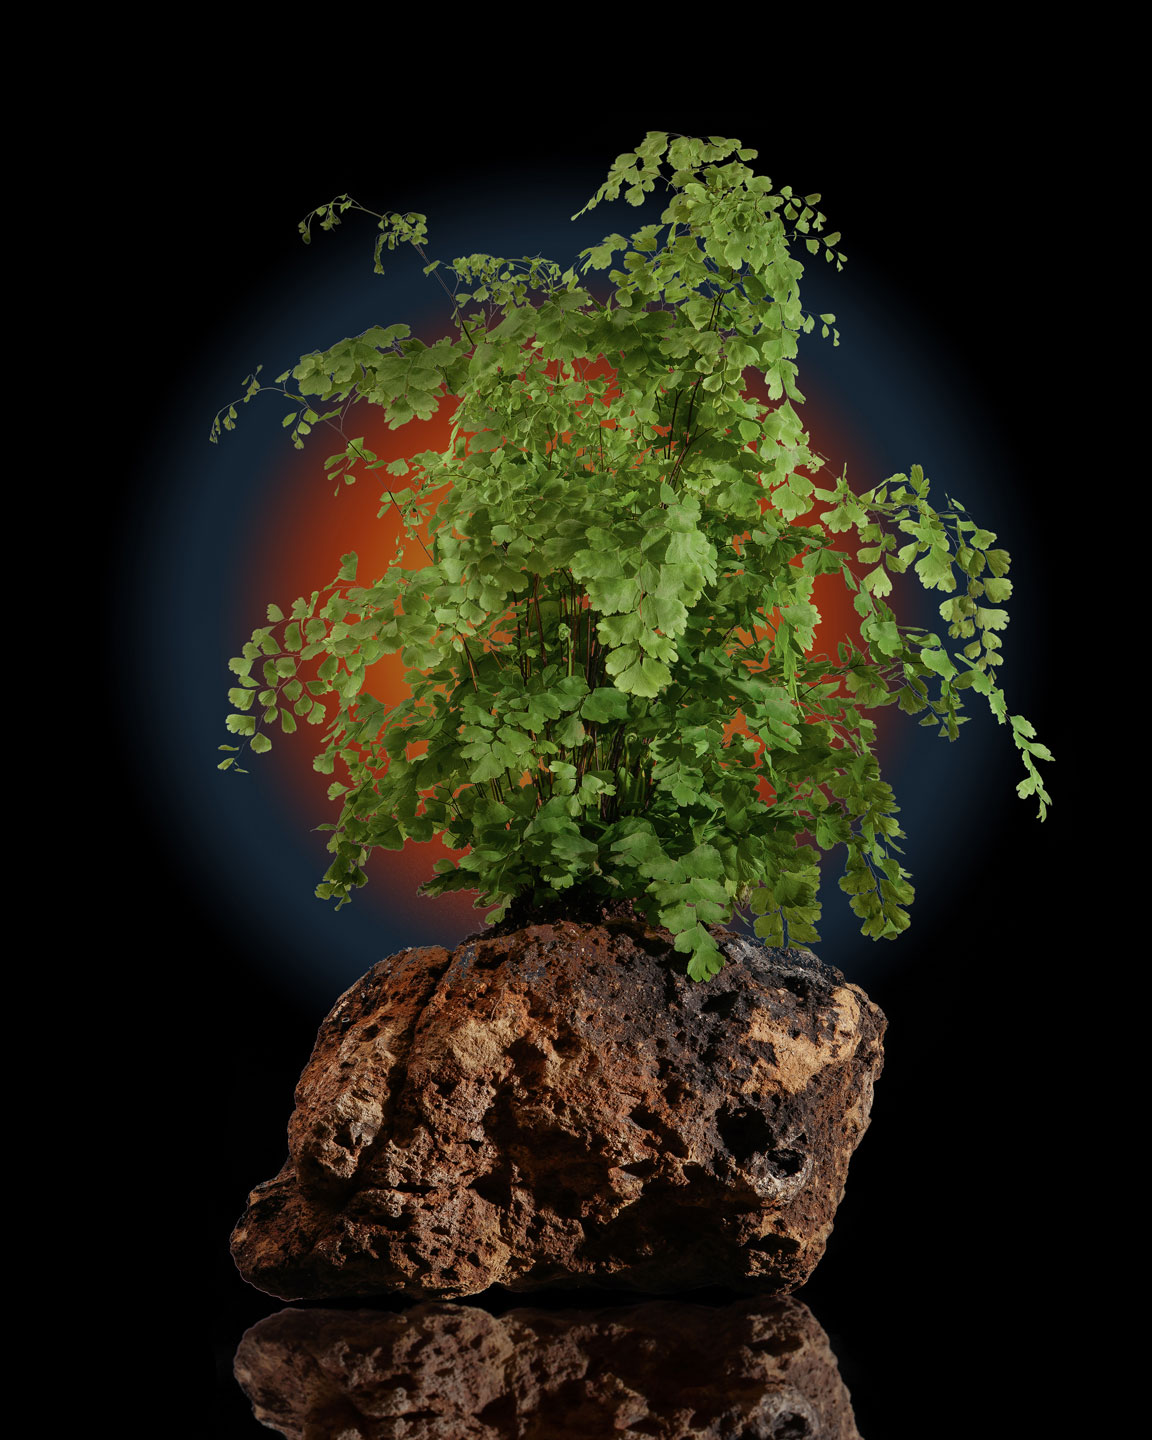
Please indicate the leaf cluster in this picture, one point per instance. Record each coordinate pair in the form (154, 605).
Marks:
(616, 566)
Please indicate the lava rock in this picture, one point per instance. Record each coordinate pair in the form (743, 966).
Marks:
(560, 1105)
(666, 1369)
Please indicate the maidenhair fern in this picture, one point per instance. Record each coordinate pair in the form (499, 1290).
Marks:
(616, 567)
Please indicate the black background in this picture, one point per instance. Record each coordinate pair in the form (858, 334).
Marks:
(941, 1279)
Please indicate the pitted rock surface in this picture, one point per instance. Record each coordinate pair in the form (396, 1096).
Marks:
(660, 1371)
(562, 1106)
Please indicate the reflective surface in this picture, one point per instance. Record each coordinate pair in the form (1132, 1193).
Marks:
(665, 1369)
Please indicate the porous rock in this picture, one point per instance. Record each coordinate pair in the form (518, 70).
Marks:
(561, 1105)
(664, 1370)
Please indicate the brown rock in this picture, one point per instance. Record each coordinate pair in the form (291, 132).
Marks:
(662, 1371)
(561, 1105)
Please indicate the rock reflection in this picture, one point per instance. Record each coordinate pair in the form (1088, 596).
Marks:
(758, 1369)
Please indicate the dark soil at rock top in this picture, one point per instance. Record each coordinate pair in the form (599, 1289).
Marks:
(663, 1371)
(580, 905)
(559, 1105)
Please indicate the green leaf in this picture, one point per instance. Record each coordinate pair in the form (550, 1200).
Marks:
(997, 590)
(878, 581)
(998, 561)
(935, 570)
(939, 661)
(605, 703)
(885, 635)
(645, 677)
